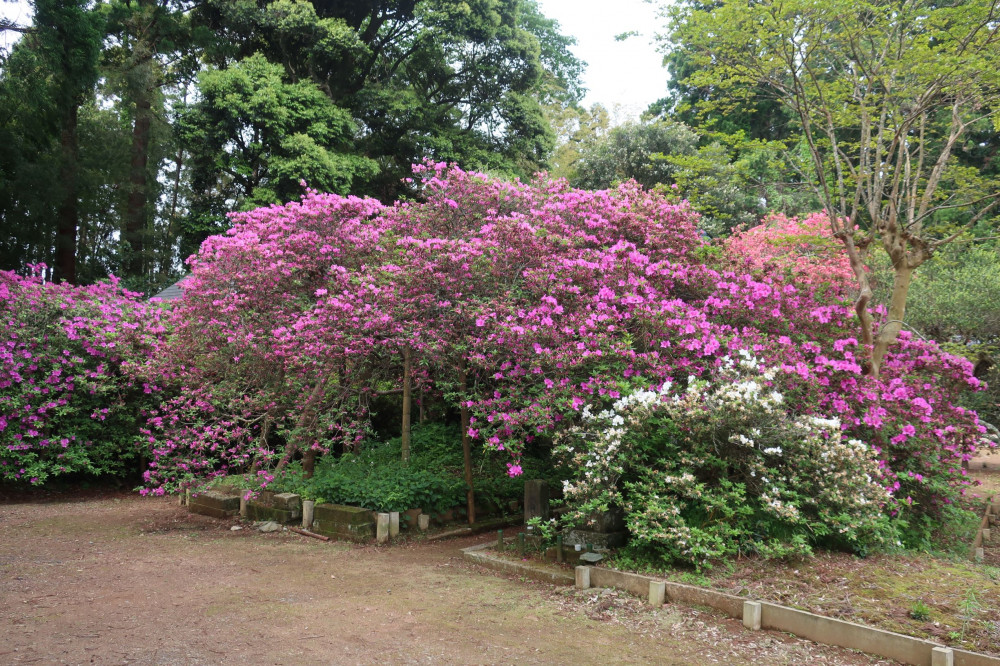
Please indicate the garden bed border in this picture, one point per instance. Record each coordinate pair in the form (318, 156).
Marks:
(755, 614)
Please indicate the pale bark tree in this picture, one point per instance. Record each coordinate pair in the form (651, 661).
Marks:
(885, 94)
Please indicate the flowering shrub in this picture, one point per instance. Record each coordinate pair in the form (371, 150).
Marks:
(270, 343)
(67, 402)
(292, 321)
(715, 469)
(523, 303)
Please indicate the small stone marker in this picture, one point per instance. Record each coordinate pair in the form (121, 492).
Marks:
(382, 528)
(582, 578)
(423, 522)
(536, 500)
(942, 656)
(751, 615)
(243, 506)
(235, 528)
(308, 507)
(657, 593)
(980, 554)
(590, 558)
(393, 523)
(987, 533)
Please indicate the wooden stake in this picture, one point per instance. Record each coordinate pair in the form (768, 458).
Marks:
(406, 403)
(308, 534)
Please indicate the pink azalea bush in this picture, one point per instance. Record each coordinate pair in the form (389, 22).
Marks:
(68, 402)
(526, 303)
(804, 250)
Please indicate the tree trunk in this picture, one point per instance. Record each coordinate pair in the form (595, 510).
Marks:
(470, 495)
(407, 399)
(897, 310)
(68, 213)
(134, 263)
(309, 463)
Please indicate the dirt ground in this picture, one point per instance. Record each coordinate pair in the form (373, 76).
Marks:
(115, 579)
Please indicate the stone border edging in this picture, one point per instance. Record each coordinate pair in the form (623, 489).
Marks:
(755, 614)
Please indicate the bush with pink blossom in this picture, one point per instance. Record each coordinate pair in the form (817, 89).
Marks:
(522, 304)
(68, 400)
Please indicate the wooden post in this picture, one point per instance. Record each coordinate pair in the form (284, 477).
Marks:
(470, 495)
(406, 403)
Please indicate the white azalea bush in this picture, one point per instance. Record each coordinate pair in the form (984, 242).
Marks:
(706, 471)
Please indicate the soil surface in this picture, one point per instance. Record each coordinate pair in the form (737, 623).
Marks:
(112, 578)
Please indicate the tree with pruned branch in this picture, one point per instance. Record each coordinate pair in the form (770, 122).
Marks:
(886, 95)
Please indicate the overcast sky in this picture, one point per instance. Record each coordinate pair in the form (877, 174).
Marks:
(20, 13)
(626, 73)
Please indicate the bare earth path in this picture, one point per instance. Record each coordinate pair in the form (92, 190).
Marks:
(118, 579)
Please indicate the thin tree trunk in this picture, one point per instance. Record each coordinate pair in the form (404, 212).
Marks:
(68, 213)
(470, 495)
(307, 416)
(844, 231)
(407, 399)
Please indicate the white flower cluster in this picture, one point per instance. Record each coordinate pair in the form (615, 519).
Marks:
(801, 470)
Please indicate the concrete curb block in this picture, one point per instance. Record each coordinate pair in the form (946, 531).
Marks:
(680, 593)
(751, 615)
(906, 649)
(518, 568)
(762, 614)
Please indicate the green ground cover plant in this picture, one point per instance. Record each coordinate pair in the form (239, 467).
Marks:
(377, 478)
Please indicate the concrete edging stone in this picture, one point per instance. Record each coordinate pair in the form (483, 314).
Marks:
(473, 554)
(817, 628)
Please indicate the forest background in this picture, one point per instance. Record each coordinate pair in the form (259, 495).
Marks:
(130, 129)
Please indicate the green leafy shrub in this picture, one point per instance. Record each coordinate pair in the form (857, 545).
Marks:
(353, 480)
(434, 478)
